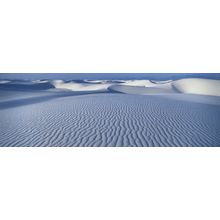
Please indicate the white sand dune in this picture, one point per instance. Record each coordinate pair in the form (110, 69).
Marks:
(188, 86)
(141, 87)
(109, 119)
(144, 87)
(139, 90)
(39, 81)
(4, 81)
(125, 113)
(160, 82)
(75, 86)
(95, 81)
(146, 83)
(198, 86)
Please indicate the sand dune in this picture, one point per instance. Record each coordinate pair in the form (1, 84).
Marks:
(95, 81)
(198, 86)
(146, 83)
(138, 90)
(110, 120)
(160, 82)
(189, 86)
(110, 113)
(26, 85)
(4, 81)
(142, 87)
(74, 86)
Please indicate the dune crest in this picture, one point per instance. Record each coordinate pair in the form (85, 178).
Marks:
(144, 87)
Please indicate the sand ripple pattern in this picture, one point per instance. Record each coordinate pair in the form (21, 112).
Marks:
(111, 120)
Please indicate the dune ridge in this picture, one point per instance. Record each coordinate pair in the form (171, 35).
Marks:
(142, 87)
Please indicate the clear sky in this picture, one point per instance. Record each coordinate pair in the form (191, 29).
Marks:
(105, 76)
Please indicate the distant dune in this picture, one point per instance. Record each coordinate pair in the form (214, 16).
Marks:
(141, 87)
(198, 86)
(140, 90)
(4, 81)
(112, 113)
(83, 86)
(26, 85)
(144, 83)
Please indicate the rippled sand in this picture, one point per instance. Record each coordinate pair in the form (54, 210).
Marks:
(110, 113)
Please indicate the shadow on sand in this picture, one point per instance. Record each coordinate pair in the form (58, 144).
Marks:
(39, 99)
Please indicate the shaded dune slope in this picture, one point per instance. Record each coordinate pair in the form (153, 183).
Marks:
(140, 90)
(23, 85)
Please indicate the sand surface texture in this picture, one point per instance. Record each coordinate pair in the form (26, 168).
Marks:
(99, 113)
